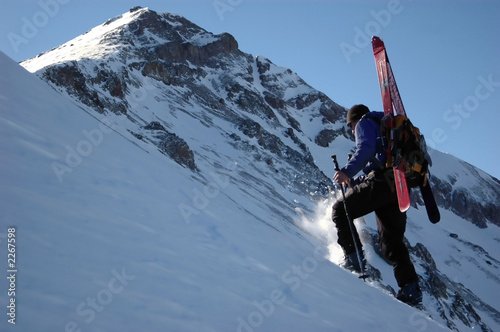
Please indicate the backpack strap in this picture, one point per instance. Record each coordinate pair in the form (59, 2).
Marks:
(381, 137)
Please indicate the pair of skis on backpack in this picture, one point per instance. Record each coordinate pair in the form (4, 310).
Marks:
(393, 105)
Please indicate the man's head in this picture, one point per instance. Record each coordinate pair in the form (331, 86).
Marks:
(355, 113)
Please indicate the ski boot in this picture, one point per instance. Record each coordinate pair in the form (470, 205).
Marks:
(351, 263)
(410, 294)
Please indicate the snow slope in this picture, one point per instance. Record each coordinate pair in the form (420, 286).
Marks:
(127, 240)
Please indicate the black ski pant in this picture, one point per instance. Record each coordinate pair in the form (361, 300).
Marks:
(375, 194)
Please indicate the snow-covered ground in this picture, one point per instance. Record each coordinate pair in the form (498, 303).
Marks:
(111, 236)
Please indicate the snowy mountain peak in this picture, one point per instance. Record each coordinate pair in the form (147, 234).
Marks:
(237, 149)
(132, 31)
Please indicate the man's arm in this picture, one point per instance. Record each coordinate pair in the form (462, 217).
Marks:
(366, 148)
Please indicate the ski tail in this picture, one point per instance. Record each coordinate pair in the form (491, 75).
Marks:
(430, 203)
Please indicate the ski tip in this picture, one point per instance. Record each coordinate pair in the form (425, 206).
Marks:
(377, 40)
(377, 44)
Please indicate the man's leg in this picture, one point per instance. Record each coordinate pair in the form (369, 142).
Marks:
(391, 224)
(358, 204)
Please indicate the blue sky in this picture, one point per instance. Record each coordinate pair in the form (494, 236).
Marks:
(445, 54)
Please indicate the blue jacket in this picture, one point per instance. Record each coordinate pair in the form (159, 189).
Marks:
(368, 146)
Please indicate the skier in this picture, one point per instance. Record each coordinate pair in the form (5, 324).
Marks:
(373, 192)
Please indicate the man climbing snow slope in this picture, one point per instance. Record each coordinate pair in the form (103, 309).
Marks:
(373, 192)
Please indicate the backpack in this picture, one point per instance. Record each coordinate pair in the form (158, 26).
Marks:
(407, 145)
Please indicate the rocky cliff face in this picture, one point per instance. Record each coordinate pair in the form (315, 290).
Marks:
(202, 102)
(477, 204)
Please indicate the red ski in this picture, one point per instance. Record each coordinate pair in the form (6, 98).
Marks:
(388, 87)
(392, 102)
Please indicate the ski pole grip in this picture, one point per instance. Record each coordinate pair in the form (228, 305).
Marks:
(334, 157)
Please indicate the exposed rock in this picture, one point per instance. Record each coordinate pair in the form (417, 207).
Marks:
(172, 145)
(326, 136)
(69, 77)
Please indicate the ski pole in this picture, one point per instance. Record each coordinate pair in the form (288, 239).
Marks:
(351, 223)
